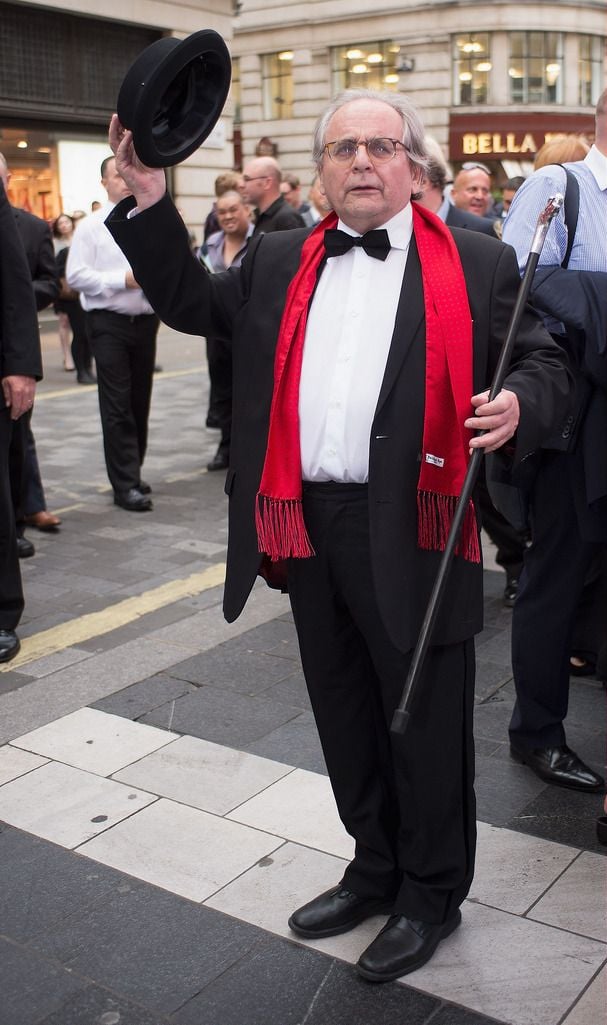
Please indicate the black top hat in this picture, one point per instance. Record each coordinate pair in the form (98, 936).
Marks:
(173, 94)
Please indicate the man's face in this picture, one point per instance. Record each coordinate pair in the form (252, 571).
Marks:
(254, 183)
(366, 195)
(292, 195)
(114, 184)
(472, 191)
(232, 214)
(507, 197)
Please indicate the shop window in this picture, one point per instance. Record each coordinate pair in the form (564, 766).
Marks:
(536, 67)
(471, 68)
(590, 61)
(277, 78)
(368, 66)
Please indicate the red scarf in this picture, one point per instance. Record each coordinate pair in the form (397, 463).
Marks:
(281, 530)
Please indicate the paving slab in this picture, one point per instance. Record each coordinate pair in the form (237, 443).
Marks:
(140, 698)
(590, 1008)
(67, 805)
(571, 902)
(31, 987)
(99, 1007)
(202, 775)
(95, 741)
(44, 885)
(182, 849)
(224, 717)
(514, 871)
(150, 947)
(299, 807)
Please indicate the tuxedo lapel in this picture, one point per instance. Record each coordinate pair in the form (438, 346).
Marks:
(409, 316)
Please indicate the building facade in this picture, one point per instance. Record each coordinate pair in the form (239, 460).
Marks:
(61, 67)
(492, 80)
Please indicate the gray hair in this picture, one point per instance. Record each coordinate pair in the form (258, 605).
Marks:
(413, 129)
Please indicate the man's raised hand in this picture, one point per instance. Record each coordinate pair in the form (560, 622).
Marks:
(148, 184)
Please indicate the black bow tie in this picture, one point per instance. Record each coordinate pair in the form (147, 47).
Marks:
(375, 243)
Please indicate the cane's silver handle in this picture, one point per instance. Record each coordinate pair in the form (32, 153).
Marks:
(544, 221)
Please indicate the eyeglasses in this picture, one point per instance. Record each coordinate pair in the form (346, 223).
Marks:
(345, 151)
(257, 178)
(476, 167)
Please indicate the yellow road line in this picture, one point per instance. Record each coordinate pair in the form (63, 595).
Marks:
(81, 389)
(94, 624)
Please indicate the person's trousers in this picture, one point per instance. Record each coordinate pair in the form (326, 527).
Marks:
(81, 346)
(219, 356)
(11, 590)
(124, 348)
(544, 614)
(26, 482)
(408, 801)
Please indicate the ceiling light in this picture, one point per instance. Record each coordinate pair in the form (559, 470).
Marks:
(515, 72)
(391, 79)
(354, 55)
(375, 58)
(483, 66)
(286, 55)
(465, 76)
(22, 144)
(359, 69)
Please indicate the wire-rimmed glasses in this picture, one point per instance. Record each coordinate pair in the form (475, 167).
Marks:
(379, 150)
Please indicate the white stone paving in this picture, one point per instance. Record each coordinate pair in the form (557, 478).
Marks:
(255, 838)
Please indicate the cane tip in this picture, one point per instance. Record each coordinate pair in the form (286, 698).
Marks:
(400, 721)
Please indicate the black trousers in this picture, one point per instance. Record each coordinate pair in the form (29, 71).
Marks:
(407, 801)
(543, 621)
(219, 356)
(11, 590)
(26, 482)
(81, 346)
(125, 352)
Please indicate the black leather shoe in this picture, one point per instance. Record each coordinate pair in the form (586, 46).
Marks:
(335, 911)
(25, 548)
(402, 946)
(510, 592)
(144, 487)
(9, 645)
(133, 500)
(559, 765)
(220, 461)
(85, 377)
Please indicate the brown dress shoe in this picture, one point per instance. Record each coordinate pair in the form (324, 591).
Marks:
(43, 520)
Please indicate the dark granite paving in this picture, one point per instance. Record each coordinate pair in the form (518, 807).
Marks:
(81, 944)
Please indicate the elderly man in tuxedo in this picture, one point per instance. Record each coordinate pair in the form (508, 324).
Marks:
(362, 352)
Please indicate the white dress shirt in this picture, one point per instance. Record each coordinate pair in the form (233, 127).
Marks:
(348, 334)
(97, 268)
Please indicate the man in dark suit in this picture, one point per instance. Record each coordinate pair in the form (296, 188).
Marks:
(337, 487)
(26, 483)
(20, 367)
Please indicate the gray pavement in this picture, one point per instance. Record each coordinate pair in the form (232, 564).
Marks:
(164, 803)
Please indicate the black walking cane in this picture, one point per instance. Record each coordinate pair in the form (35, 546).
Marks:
(402, 713)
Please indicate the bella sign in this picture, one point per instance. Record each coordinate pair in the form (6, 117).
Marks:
(510, 135)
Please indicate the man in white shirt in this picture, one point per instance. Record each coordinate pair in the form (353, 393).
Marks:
(122, 328)
(352, 421)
